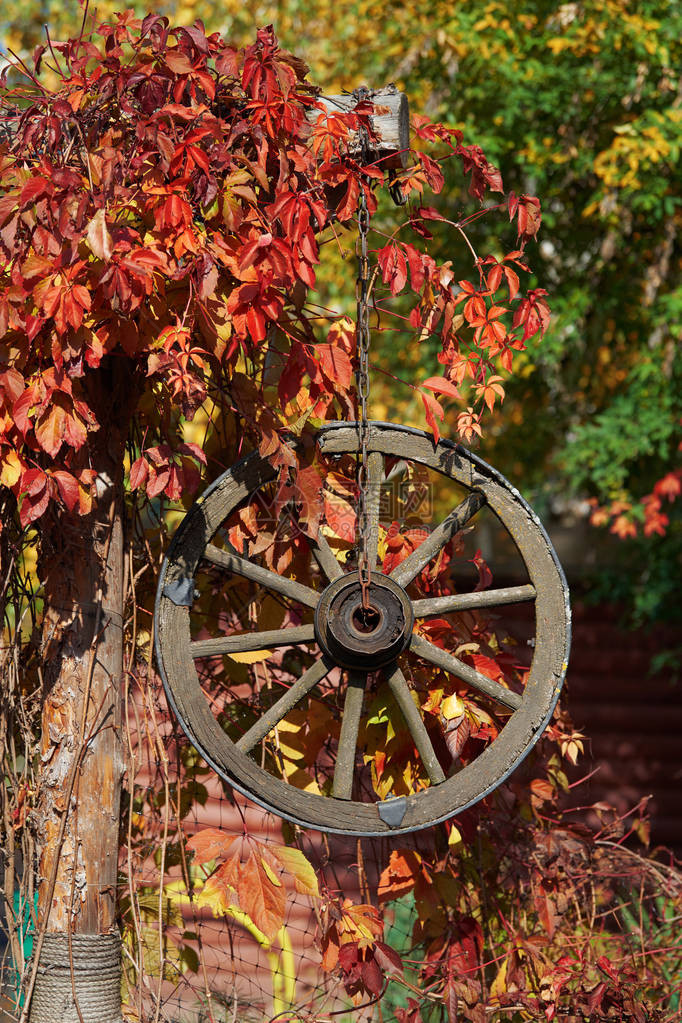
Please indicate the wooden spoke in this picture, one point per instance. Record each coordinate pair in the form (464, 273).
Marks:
(472, 601)
(232, 562)
(248, 641)
(375, 473)
(324, 556)
(448, 662)
(413, 719)
(315, 673)
(410, 568)
(344, 770)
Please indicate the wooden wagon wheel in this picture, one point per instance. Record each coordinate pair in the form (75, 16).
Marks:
(344, 641)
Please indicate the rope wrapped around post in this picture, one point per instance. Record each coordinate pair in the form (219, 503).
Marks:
(96, 980)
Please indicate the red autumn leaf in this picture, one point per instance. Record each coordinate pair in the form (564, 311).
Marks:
(225, 880)
(432, 172)
(456, 735)
(605, 964)
(486, 665)
(596, 997)
(139, 472)
(33, 189)
(533, 313)
(529, 216)
(545, 907)
(76, 427)
(429, 213)
(542, 791)
(308, 491)
(669, 486)
(441, 385)
(387, 958)
(12, 383)
(372, 977)
(412, 1013)
(434, 411)
(485, 576)
(158, 482)
(20, 410)
(416, 263)
(255, 322)
(494, 277)
(393, 265)
(349, 956)
(512, 282)
(466, 946)
(483, 174)
(34, 485)
(68, 488)
(336, 364)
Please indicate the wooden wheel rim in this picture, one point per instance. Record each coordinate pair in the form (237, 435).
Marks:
(175, 595)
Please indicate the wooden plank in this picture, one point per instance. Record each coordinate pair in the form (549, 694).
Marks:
(344, 769)
(398, 685)
(308, 680)
(233, 563)
(430, 652)
(324, 556)
(472, 601)
(410, 568)
(391, 122)
(375, 474)
(247, 641)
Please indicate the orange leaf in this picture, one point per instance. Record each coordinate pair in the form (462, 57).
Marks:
(209, 844)
(260, 898)
(400, 875)
(49, 429)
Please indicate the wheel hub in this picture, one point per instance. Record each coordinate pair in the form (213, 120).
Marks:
(359, 638)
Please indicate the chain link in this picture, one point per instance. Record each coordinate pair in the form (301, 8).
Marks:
(362, 372)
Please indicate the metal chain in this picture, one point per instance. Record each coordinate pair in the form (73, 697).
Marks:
(362, 372)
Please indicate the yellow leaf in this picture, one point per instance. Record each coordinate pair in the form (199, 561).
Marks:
(455, 836)
(251, 656)
(272, 877)
(300, 779)
(499, 985)
(11, 469)
(300, 868)
(452, 707)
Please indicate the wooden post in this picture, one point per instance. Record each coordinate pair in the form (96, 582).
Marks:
(78, 809)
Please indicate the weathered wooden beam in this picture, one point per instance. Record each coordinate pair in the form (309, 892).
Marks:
(391, 122)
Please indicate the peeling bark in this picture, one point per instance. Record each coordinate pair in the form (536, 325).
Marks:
(82, 652)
